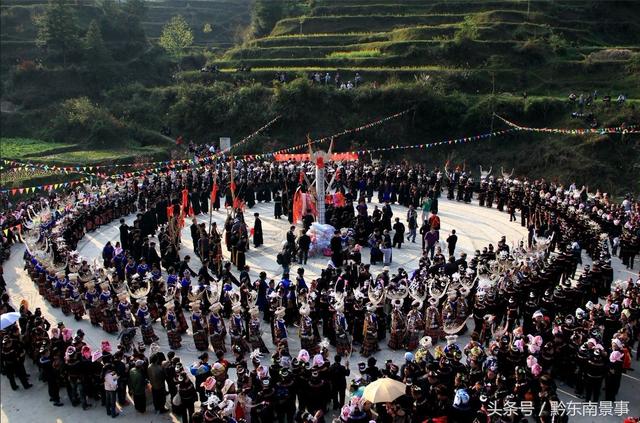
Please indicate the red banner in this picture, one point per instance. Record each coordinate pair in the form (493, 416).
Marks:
(335, 157)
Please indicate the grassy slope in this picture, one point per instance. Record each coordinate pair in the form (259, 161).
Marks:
(26, 149)
(20, 148)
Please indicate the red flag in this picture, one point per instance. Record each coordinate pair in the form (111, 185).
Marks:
(179, 140)
(185, 201)
(238, 204)
(300, 177)
(233, 186)
(170, 211)
(214, 193)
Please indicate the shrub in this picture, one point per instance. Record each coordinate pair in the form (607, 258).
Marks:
(468, 30)
(557, 43)
(82, 121)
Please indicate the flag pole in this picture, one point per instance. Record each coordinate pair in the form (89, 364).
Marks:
(211, 201)
(232, 184)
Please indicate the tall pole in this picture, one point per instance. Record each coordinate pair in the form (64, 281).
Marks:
(232, 185)
(320, 188)
(211, 200)
(318, 159)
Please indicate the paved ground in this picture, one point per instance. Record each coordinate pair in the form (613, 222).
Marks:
(476, 227)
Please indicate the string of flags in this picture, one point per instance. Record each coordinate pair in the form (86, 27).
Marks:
(250, 136)
(164, 167)
(623, 129)
(47, 187)
(345, 132)
(65, 170)
(452, 141)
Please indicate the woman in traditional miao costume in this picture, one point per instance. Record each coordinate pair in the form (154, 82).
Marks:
(343, 341)
(236, 329)
(172, 280)
(197, 327)
(41, 279)
(432, 322)
(39, 337)
(108, 312)
(423, 354)
(62, 290)
(144, 320)
(415, 320)
(55, 291)
(130, 269)
(171, 325)
(255, 331)
(183, 326)
(92, 303)
(107, 214)
(50, 293)
(155, 299)
(307, 338)
(370, 332)
(124, 311)
(77, 306)
(280, 329)
(454, 314)
(217, 329)
(398, 325)
(89, 223)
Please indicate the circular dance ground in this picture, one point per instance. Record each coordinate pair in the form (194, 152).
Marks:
(476, 227)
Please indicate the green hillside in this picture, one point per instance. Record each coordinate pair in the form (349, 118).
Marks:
(538, 46)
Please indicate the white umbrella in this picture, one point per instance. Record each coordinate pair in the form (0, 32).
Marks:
(383, 390)
(8, 319)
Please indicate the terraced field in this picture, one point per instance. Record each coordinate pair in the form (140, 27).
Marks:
(215, 23)
(505, 45)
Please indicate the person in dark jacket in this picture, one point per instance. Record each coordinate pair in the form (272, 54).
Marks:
(452, 240)
(304, 243)
(614, 376)
(156, 376)
(124, 235)
(398, 236)
(50, 375)
(184, 267)
(138, 385)
(595, 372)
(338, 376)
(188, 398)
(336, 249)
(258, 237)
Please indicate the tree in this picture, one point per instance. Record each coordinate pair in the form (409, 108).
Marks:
(58, 28)
(176, 36)
(95, 51)
(121, 23)
(468, 30)
(265, 14)
(137, 8)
